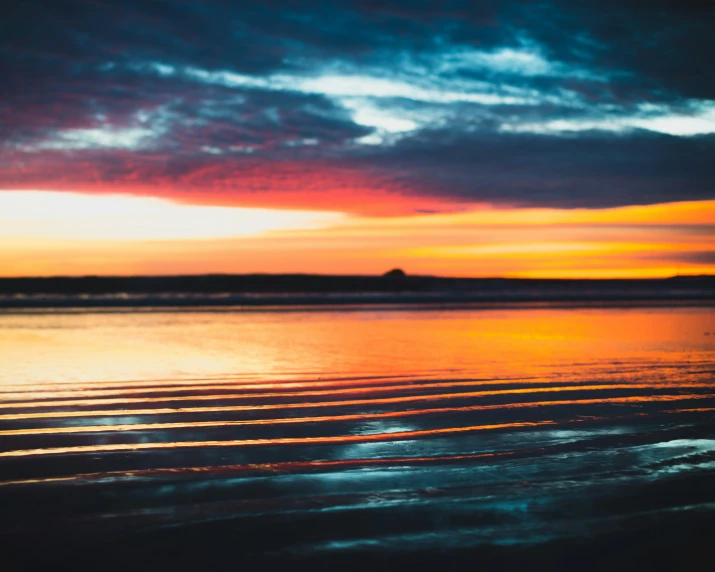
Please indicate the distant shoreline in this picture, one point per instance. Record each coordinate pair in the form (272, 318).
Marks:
(258, 290)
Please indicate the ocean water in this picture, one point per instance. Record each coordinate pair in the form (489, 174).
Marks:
(341, 435)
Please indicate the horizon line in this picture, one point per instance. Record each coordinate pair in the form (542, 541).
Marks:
(322, 275)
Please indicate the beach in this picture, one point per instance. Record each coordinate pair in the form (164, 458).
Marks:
(399, 285)
(358, 436)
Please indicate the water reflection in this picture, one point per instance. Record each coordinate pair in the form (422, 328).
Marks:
(487, 425)
(360, 416)
(72, 348)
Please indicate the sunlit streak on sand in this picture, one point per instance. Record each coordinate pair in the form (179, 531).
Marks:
(90, 402)
(357, 416)
(397, 435)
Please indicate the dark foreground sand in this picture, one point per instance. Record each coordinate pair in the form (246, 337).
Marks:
(588, 477)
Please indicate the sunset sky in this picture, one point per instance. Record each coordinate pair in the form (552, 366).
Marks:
(509, 138)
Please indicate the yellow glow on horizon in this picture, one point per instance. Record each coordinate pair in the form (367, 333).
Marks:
(529, 249)
(687, 212)
(53, 233)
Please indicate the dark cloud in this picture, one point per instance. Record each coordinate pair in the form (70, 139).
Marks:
(591, 170)
(701, 257)
(664, 44)
(561, 103)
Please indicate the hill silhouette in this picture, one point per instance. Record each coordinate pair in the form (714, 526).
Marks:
(280, 289)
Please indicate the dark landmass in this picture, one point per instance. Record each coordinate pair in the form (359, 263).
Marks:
(307, 289)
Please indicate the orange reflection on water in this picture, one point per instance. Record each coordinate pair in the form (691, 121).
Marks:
(285, 466)
(78, 349)
(356, 416)
(389, 388)
(278, 441)
(316, 404)
(15, 393)
(373, 388)
(188, 384)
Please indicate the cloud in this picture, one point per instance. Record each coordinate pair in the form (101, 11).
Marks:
(689, 118)
(703, 257)
(594, 170)
(552, 103)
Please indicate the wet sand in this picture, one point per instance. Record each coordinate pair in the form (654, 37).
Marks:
(559, 439)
